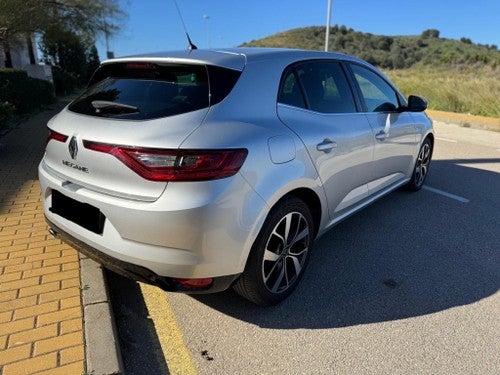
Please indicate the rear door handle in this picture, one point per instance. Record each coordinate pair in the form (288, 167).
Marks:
(326, 146)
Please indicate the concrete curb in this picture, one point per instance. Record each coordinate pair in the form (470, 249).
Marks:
(103, 355)
(466, 120)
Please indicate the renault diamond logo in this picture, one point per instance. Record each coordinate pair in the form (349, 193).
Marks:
(73, 147)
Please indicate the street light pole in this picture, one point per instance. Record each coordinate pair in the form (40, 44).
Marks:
(328, 18)
(207, 17)
(109, 54)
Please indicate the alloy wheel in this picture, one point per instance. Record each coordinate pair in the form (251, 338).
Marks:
(422, 165)
(286, 252)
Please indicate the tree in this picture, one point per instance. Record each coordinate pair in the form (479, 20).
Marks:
(384, 43)
(88, 19)
(16, 20)
(92, 61)
(398, 60)
(65, 49)
(430, 33)
(75, 60)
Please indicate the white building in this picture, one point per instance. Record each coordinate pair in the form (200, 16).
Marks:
(20, 56)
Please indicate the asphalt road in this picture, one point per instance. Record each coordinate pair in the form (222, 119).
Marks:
(407, 286)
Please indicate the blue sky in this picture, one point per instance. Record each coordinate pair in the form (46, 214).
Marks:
(153, 25)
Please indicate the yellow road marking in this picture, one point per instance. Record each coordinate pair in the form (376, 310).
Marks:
(177, 355)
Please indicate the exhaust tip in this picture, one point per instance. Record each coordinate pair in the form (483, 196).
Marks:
(53, 233)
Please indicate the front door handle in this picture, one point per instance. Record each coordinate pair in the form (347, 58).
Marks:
(326, 146)
(382, 135)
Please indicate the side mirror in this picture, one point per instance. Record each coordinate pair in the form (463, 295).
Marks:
(416, 104)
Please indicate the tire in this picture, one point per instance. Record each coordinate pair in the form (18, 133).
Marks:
(275, 266)
(421, 169)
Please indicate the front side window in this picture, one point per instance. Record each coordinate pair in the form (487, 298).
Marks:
(319, 86)
(376, 92)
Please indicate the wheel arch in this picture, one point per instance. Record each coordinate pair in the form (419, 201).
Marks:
(430, 136)
(311, 199)
(249, 284)
(307, 195)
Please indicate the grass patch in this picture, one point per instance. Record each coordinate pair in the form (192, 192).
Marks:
(462, 90)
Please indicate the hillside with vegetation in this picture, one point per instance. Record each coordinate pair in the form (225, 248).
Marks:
(454, 75)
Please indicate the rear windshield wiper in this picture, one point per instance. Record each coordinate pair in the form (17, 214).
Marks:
(104, 106)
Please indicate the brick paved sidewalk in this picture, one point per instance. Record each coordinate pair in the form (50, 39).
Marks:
(41, 328)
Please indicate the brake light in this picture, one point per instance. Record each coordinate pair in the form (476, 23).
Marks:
(140, 66)
(175, 165)
(55, 136)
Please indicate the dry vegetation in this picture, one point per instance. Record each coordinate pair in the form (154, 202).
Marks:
(473, 90)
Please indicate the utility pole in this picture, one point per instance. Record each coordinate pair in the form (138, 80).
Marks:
(328, 18)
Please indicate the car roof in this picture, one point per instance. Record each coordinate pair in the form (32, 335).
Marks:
(233, 58)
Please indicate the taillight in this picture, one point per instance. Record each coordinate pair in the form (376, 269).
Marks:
(55, 136)
(175, 165)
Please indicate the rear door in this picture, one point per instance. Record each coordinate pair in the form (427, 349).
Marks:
(316, 102)
(394, 132)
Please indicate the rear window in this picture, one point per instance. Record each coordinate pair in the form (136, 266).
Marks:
(142, 91)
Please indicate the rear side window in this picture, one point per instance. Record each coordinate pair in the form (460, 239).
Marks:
(290, 92)
(142, 91)
(320, 86)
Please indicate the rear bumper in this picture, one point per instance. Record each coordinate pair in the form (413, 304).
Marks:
(136, 272)
(194, 230)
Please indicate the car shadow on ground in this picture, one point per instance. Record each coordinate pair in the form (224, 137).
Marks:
(140, 348)
(408, 255)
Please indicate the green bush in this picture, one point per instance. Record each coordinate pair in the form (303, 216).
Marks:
(24, 93)
(6, 113)
(65, 83)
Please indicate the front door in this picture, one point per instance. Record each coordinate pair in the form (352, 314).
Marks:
(394, 132)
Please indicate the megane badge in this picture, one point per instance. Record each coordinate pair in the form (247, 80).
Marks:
(73, 147)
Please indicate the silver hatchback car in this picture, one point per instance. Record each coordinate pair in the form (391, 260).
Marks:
(200, 170)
